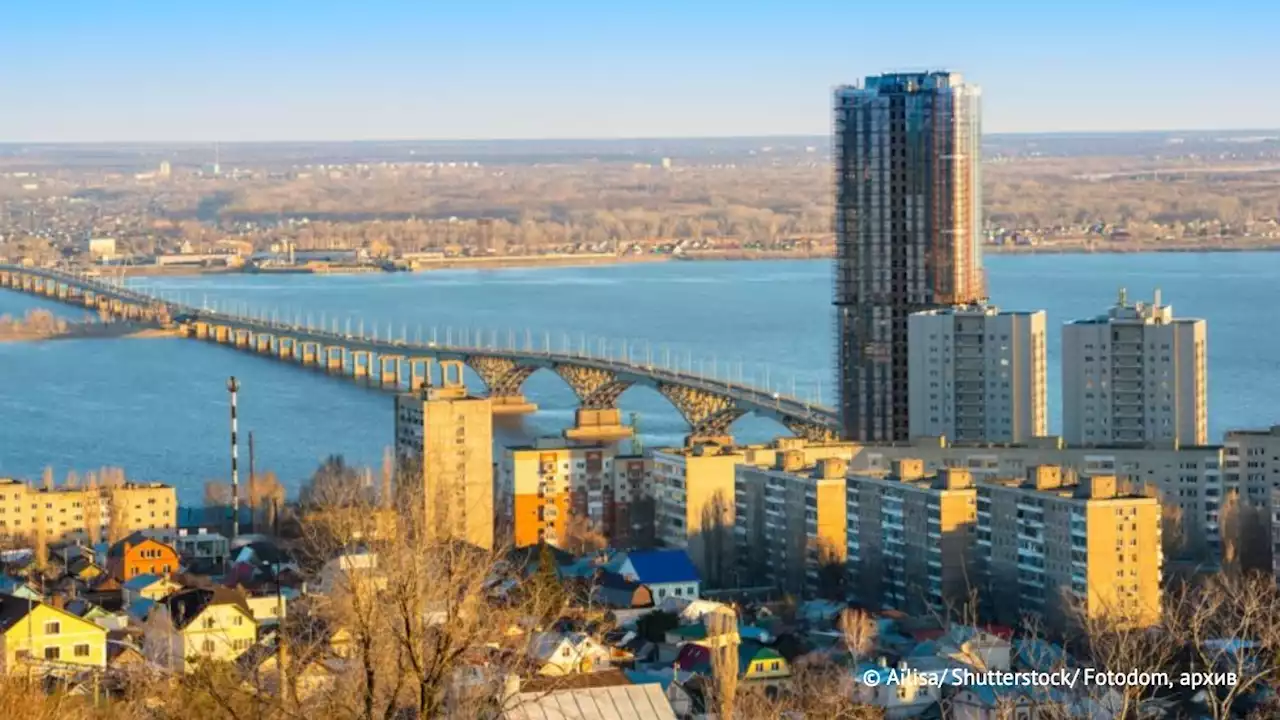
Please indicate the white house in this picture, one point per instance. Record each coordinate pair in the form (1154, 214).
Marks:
(568, 653)
(667, 573)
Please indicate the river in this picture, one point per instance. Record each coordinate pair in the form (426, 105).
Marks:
(158, 407)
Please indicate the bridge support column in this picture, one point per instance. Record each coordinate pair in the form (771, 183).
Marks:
(286, 348)
(221, 334)
(597, 424)
(419, 373)
(262, 343)
(389, 371)
(242, 338)
(333, 361)
(310, 354)
(360, 364)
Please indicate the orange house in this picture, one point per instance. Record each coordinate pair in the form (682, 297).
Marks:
(140, 555)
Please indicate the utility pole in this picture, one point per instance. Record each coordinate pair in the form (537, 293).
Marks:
(252, 479)
(233, 387)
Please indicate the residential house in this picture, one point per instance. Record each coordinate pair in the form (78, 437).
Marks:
(348, 569)
(762, 663)
(901, 691)
(151, 587)
(50, 640)
(667, 573)
(98, 615)
(138, 554)
(310, 672)
(202, 546)
(199, 623)
(84, 569)
(557, 653)
(269, 608)
(20, 588)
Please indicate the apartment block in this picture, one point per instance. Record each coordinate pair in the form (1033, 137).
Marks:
(1135, 376)
(977, 374)
(1049, 544)
(67, 514)
(449, 435)
(1252, 464)
(550, 487)
(693, 494)
(910, 537)
(789, 525)
(1189, 477)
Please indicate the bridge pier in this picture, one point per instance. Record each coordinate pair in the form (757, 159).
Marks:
(286, 348)
(242, 338)
(360, 360)
(333, 363)
(389, 371)
(310, 354)
(506, 405)
(262, 343)
(221, 334)
(598, 425)
(419, 373)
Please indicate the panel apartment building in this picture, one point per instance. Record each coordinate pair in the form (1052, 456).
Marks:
(548, 487)
(790, 525)
(66, 514)
(977, 374)
(1135, 376)
(449, 435)
(694, 496)
(911, 537)
(1190, 477)
(1048, 543)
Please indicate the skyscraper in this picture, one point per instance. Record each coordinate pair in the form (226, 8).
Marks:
(908, 219)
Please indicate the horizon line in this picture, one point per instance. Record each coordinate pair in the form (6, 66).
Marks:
(618, 138)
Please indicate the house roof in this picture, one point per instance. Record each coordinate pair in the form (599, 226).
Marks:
(13, 609)
(142, 582)
(133, 540)
(619, 702)
(185, 605)
(663, 566)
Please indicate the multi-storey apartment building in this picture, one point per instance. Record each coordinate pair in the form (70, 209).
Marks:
(910, 537)
(449, 435)
(1252, 464)
(908, 221)
(977, 374)
(790, 525)
(1053, 546)
(1188, 477)
(67, 514)
(1135, 376)
(693, 494)
(547, 487)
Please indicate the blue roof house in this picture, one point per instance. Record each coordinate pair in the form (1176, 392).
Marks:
(667, 573)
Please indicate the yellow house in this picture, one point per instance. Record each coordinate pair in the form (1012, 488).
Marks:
(37, 636)
(197, 624)
(757, 662)
(151, 587)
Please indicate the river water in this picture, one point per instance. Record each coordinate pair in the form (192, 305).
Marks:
(158, 407)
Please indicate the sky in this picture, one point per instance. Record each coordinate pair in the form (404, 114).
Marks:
(248, 70)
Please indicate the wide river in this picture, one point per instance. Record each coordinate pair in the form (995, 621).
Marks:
(158, 407)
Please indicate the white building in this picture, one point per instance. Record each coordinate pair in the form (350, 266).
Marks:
(1135, 376)
(976, 374)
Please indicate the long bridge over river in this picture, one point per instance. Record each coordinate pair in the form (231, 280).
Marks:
(710, 405)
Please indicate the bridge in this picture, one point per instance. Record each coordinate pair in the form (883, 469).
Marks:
(710, 405)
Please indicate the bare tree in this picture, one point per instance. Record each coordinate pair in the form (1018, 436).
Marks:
(722, 636)
(859, 631)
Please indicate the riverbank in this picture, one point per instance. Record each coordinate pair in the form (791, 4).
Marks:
(590, 260)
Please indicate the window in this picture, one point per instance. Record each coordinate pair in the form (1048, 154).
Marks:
(238, 621)
(208, 646)
(52, 653)
(207, 624)
(82, 650)
(52, 628)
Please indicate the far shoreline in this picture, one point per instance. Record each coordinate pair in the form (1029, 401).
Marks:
(595, 260)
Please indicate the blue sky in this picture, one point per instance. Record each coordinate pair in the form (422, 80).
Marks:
(233, 70)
